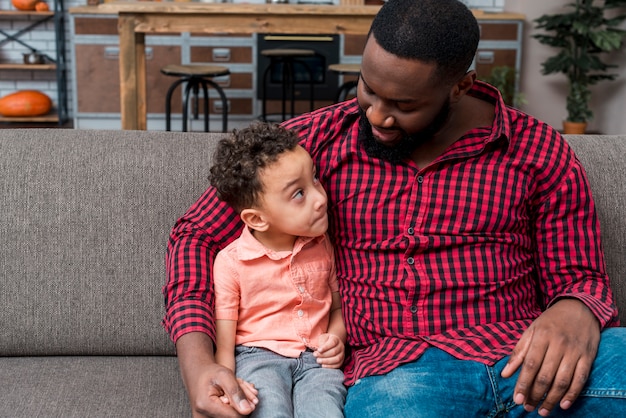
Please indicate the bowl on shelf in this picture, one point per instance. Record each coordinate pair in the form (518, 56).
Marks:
(33, 58)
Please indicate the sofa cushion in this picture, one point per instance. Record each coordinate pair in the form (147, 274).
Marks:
(95, 386)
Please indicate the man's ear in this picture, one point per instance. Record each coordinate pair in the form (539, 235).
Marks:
(462, 86)
(254, 219)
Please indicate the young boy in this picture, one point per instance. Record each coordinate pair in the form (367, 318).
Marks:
(278, 310)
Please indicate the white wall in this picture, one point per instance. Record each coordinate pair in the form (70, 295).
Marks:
(546, 94)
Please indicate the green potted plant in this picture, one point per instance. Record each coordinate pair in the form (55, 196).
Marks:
(582, 36)
(503, 78)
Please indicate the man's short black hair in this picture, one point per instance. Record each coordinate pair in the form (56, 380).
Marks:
(444, 32)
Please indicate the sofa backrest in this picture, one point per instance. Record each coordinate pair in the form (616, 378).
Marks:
(84, 219)
(604, 159)
(85, 216)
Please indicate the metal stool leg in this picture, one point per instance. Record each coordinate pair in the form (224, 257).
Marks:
(168, 103)
(188, 88)
(311, 83)
(205, 91)
(343, 91)
(287, 85)
(264, 93)
(220, 91)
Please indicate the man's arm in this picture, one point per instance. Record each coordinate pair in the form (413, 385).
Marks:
(557, 351)
(207, 227)
(556, 354)
(207, 382)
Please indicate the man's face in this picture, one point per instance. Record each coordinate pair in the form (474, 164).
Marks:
(401, 107)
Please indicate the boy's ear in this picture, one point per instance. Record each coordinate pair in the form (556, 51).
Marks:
(254, 219)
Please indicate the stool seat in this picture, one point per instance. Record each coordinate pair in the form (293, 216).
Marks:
(345, 69)
(286, 59)
(195, 76)
(287, 52)
(201, 70)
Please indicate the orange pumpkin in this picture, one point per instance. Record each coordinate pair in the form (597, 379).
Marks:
(42, 6)
(24, 4)
(25, 103)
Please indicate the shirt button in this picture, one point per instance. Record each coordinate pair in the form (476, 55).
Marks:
(413, 309)
(300, 313)
(410, 260)
(301, 289)
(411, 231)
(420, 179)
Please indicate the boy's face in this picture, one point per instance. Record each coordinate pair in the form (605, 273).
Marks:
(293, 201)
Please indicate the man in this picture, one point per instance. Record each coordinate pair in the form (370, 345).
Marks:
(467, 244)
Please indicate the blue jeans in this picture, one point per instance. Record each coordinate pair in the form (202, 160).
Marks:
(291, 387)
(439, 385)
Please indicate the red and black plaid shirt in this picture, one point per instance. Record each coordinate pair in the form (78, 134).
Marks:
(461, 255)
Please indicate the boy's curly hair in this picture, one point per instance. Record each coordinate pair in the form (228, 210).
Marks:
(240, 157)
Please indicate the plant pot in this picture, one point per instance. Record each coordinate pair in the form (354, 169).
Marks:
(574, 128)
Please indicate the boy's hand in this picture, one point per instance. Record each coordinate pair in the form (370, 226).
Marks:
(248, 388)
(330, 352)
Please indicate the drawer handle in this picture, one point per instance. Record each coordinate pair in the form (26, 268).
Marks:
(221, 54)
(217, 106)
(113, 53)
(222, 81)
(485, 57)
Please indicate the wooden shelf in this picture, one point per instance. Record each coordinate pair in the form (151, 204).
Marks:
(14, 13)
(33, 67)
(50, 117)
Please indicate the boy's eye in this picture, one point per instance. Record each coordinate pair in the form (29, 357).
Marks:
(298, 194)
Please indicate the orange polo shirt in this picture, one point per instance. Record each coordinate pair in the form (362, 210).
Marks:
(280, 300)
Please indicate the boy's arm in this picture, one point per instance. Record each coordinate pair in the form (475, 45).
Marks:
(336, 325)
(331, 345)
(225, 331)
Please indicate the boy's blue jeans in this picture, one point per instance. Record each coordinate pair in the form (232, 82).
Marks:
(291, 387)
(438, 385)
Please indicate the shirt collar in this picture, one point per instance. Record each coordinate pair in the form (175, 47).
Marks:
(249, 248)
(501, 124)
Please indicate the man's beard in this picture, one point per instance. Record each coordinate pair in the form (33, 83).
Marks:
(407, 145)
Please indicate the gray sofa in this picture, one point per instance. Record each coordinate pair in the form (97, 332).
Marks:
(84, 220)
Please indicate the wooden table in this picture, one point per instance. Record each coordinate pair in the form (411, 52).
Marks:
(137, 19)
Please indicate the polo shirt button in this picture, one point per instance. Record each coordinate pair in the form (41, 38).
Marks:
(411, 231)
(420, 179)
(410, 260)
(413, 309)
(300, 313)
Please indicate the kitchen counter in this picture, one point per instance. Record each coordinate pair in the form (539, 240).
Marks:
(135, 19)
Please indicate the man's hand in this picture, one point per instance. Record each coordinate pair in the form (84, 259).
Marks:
(213, 389)
(331, 351)
(556, 354)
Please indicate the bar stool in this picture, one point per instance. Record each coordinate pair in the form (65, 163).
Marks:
(345, 69)
(196, 76)
(287, 59)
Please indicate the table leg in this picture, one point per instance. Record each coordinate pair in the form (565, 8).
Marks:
(132, 74)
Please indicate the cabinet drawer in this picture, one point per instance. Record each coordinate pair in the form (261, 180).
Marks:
(98, 78)
(230, 54)
(487, 59)
(236, 105)
(354, 44)
(95, 26)
(241, 81)
(501, 31)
